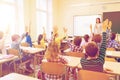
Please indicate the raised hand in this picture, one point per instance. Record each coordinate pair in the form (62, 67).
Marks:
(105, 25)
(109, 24)
(65, 29)
(55, 29)
(91, 28)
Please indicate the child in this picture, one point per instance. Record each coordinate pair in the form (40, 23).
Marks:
(52, 55)
(112, 43)
(28, 39)
(2, 43)
(40, 38)
(97, 39)
(16, 40)
(86, 40)
(94, 60)
(75, 47)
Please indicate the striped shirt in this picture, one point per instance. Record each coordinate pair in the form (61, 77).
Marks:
(96, 64)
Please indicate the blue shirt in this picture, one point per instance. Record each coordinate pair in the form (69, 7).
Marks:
(28, 40)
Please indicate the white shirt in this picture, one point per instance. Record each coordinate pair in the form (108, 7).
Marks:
(98, 28)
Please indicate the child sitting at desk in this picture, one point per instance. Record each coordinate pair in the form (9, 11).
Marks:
(2, 43)
(16, 40)
(85, 40)
(52, 55)
(94, 59)
(75, 46)
(112, 43)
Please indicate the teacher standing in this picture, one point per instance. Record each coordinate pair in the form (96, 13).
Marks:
(98, 26)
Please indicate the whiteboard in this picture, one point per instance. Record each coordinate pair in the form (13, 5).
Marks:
(81, 24)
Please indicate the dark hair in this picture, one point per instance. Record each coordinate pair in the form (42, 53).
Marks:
(26, 33)
(97, 38)
(91, 49)
(86, 37)
(40, 38)
(77, 40)
(98, 19)
(113, 36)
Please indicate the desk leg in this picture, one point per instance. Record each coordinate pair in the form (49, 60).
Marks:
(15, 66)
(34, 64)
(0, 70)
(117, 77)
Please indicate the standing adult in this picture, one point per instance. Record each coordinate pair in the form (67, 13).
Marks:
(98, 26)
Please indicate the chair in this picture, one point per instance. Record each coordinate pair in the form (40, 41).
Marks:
(39, 55)
(38, 46)
(75, 54)
(25, 44)
(92, 75)
(110, 59)
(53, 68)
(15, 52)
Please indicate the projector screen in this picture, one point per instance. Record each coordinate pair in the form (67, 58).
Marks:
(81, 24)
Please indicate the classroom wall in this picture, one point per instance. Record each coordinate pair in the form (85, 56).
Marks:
(67, 9)
(29, 17)
(63, 12)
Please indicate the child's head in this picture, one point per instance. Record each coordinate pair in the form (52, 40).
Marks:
(40, 38)
(113, 36)
(52, 50)
(15, 37)
(86, 38)
(91, 49)
(77, 40)
(1, 34)
(97, 38)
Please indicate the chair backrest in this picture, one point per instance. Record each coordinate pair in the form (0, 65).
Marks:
(13, 52)
(75, 54)
(53, 68)
(110, 49)
(110, 59)
(92, 75)
(38, 46)
(25, 44)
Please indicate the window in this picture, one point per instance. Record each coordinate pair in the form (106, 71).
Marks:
(82, 24)
(41, 4)
(11, 16)
(44, 16)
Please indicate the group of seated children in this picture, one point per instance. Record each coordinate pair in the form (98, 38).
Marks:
(94, 53)
(94, 49)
